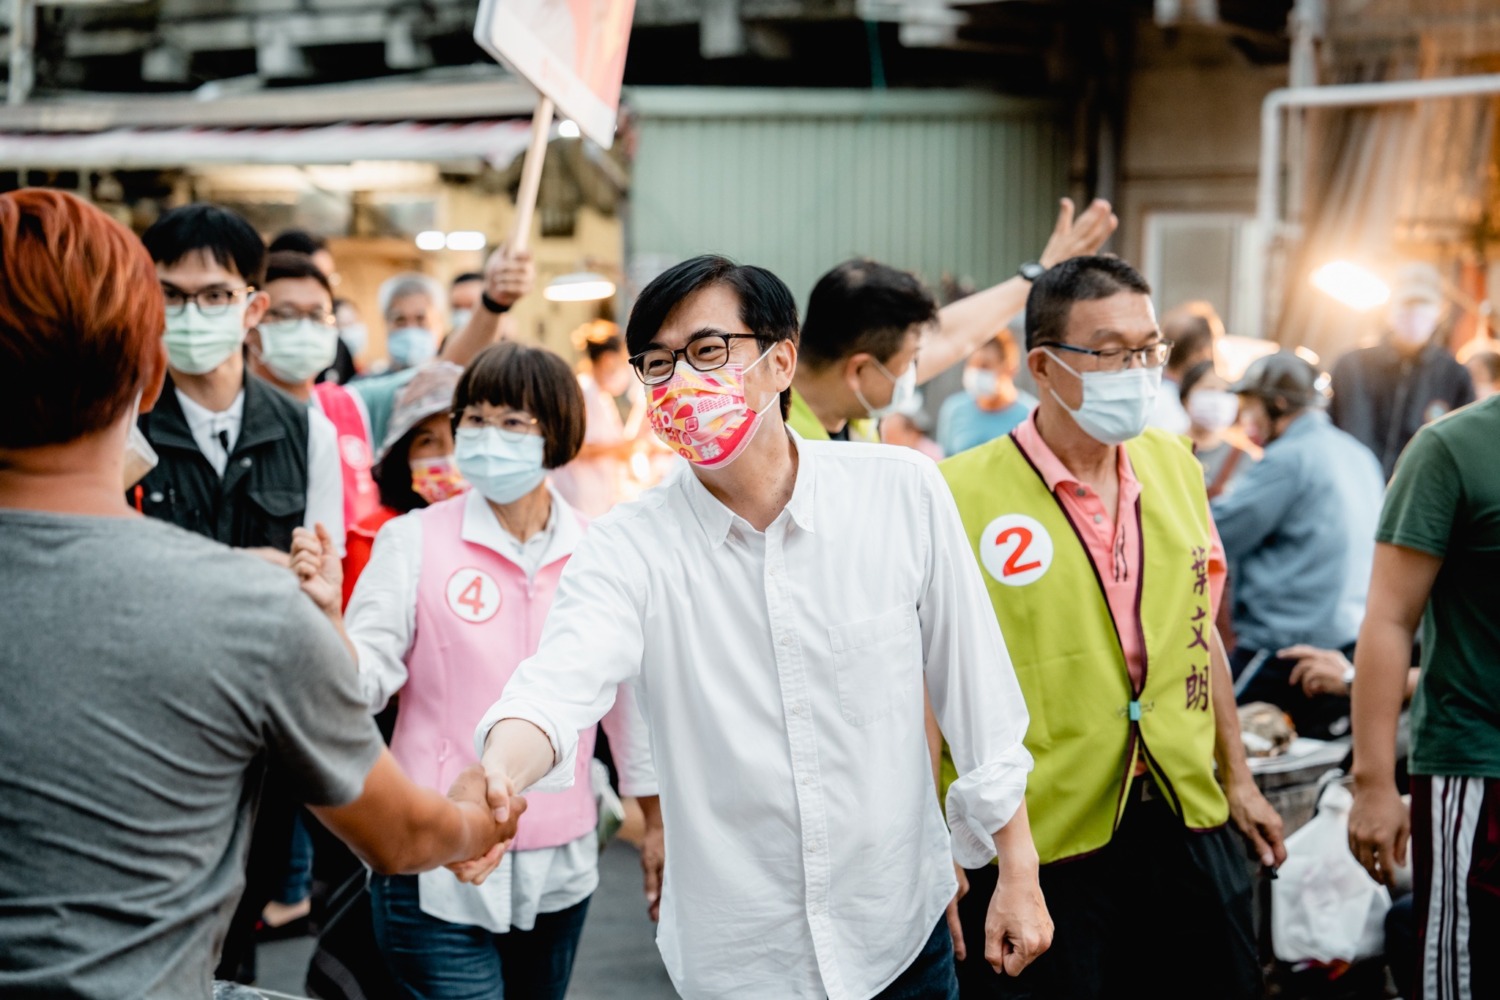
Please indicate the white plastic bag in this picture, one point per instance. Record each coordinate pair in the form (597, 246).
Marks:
(1324, 907)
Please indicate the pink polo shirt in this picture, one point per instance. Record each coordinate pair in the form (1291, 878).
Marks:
(1114, 544)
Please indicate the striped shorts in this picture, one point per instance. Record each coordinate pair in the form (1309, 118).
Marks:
(1456, 884)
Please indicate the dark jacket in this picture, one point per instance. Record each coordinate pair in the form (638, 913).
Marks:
(263, 494)
(1383, 399)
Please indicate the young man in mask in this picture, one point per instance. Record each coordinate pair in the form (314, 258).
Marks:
(1385, 393)
(1103, 569)
(1299, 531)
(289, 348)
(782, 658)
(464, 298)
(860, 357)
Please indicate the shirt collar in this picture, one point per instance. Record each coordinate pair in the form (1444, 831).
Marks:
(481, 527)
(200, 417)
(716, 519)
(1057, 476)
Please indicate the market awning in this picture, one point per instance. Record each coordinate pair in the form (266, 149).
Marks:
(495, 142)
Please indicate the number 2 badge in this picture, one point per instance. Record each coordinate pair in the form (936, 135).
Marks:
(473, 595)
(1015, 550)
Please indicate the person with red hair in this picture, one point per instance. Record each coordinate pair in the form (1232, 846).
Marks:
(153, 676)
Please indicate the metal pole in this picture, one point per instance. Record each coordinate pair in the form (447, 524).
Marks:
(531, 174)
(22, 43)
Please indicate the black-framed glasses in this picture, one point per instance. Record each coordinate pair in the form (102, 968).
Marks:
(210, 301)
(706, 352)
(1114, 359)
(291, 314)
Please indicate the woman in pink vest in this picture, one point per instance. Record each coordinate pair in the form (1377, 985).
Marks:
(452, 601)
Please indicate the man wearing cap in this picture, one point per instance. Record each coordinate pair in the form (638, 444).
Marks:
(1103, 568)
(1385, 393)
(1299, 531)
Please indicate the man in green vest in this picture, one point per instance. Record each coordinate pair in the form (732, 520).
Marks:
(1104, 568)
(865, 321)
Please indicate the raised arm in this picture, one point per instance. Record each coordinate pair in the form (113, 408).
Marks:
(508, 277)
(970, 323)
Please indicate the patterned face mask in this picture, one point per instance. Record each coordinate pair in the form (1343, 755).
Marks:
(436, 479)
(703, 416)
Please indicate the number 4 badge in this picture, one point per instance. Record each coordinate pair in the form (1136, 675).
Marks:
(1015, 550)
(473, 595)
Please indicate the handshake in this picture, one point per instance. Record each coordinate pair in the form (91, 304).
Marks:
(492, 810)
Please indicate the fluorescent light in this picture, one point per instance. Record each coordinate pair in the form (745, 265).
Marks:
(431, 240)
(567, 129)
(467, 239)
(1355, 286)
(581, 286)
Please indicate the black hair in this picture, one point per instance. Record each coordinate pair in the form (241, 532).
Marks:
(597, 349)
(298, 241)
(863, 306)
(766, 304)
(534, 380)
(219, 232)
(466, 277)
(392, 474)
(1192, 329)
(1079, 279)
(1192, 377)
(285, 264)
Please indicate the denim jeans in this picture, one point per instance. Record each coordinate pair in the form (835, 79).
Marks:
(931, 976)
(435, 960)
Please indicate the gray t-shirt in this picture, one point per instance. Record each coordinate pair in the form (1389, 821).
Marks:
(149, 676)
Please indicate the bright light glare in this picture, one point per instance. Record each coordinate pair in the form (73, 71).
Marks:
(1355, 286)
(431, 240)
(567, 129)
(584, 286)
(466, 239)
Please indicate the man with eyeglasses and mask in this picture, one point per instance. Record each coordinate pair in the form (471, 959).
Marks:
(290, 346)
(1103, 568)
(780, 642)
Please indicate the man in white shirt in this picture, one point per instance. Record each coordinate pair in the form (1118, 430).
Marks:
(780, 608)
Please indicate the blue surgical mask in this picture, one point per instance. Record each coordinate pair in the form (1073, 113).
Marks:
(502, 465)
(1116, 405)
(409, 346)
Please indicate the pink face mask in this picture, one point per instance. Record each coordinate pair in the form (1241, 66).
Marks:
(703, 416)
(436, 479)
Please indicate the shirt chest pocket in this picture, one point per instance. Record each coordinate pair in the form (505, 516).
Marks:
(875, 663)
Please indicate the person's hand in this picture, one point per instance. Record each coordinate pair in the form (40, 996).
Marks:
(1018, 928)
(955, 926)
(1081, 236)
(1319, 671)
(315, 560)
(509, 276)
(1257, 820)
(653, 861)
(470, 791)
(1379, 830)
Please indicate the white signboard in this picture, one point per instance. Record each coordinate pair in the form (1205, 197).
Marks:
(573, 51)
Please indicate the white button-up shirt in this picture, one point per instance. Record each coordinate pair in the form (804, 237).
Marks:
(781, 674)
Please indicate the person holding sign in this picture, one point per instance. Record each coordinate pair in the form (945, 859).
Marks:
(781, 646)
(453, 598)
(1103, 567)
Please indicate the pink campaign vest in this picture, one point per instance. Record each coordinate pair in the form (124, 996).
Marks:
(477, 619)
(361, 497)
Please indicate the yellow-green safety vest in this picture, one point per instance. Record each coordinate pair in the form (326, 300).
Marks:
(1088, 726)
(806, 423)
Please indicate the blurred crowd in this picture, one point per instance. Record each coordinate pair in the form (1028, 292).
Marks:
(920, 721)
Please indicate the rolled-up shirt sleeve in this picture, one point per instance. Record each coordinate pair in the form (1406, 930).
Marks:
(592, 643)
(973, 687)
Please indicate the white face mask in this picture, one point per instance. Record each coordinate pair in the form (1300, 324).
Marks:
(1414, 324)
(503, 466)
(902, 395)
(298, 349)
(1213, 409)
(461, 319)
(981, 383)
(355, 336)
(140, 457)
(1116, 405)
(197, 344)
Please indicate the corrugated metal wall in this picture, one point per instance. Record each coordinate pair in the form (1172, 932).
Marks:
(955, 183)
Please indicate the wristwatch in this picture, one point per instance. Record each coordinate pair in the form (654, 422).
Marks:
(1031, 270)
(490, 305)
(1349, 676)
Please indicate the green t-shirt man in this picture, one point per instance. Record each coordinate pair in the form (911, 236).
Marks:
(1445, 501)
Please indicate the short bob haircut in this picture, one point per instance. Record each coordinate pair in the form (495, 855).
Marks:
(863, 306)
(766, 304)
(1080, 279)
(81, 320)
(284, 265)
(222, 234)
(534, 380)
